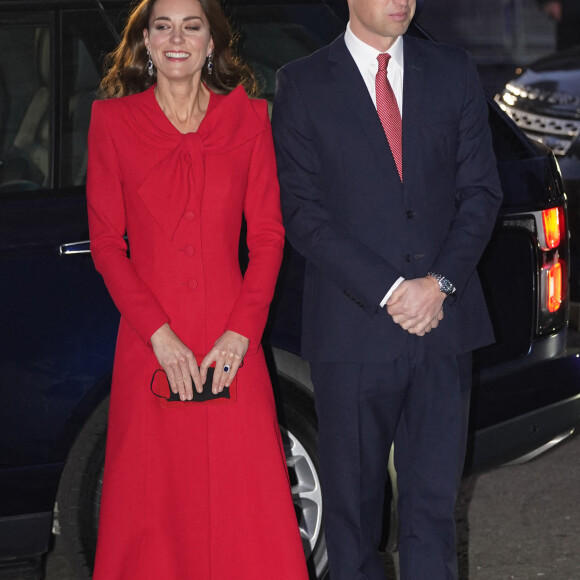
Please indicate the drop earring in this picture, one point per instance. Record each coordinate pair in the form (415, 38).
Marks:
(210, 64)
(149, 64)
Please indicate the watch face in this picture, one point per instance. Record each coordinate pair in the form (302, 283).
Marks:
(446, 286)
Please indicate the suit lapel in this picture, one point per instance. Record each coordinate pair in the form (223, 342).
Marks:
(361, 110)
(355, 93)
(414, 90)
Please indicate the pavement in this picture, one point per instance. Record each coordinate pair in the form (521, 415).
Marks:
(522, 522)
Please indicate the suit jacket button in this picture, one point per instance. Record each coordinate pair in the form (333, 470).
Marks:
(192, 284)
(408, 258)
(189, 215)
(189, 250)
(409, 213)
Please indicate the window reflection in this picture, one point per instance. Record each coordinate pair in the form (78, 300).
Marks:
(25, 103)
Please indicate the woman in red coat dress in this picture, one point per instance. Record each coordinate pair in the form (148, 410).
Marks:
(192, 491)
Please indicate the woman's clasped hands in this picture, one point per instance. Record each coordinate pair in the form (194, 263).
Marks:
(179, 362)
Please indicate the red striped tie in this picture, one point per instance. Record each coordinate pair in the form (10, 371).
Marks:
(389, 113)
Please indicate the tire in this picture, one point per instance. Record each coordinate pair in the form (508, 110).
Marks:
(299, 429)
(79, 494)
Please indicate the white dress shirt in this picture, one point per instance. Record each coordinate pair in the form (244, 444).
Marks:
(365, 57)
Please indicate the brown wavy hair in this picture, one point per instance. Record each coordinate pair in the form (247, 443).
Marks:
(126, 66)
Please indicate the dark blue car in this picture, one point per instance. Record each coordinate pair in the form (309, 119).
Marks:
(58, 325)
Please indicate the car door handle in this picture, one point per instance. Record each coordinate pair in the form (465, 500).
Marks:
(75, 248)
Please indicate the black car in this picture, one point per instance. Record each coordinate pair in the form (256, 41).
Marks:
(544, 101)
(59, 325)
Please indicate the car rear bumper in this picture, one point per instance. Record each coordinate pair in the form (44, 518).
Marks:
(513, 438)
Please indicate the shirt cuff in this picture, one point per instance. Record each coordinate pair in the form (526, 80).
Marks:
(391, 290)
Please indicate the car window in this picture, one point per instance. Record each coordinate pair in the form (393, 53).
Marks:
(26, 92)
(271, 36)
(84, 46)
(118, 18)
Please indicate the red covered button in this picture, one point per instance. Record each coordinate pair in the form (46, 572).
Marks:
(189, 250)
(192, 284)
(189, 215)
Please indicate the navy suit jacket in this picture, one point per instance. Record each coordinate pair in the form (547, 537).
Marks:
(359, 228)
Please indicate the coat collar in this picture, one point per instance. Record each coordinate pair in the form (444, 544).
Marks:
(176, 179)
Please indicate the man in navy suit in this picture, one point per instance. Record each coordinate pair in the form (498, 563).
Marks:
(390, 191)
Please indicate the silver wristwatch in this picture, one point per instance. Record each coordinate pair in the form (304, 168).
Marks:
(445, 285)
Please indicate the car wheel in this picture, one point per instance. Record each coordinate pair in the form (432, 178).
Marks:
(299, 433)
(79, 494)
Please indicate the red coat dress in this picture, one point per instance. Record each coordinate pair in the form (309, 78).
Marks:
(191, 490)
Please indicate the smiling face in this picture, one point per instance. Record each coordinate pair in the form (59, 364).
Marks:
(380, 22)
(178, 39)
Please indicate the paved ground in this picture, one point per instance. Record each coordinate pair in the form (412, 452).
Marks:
(518, 522)
(523, 522)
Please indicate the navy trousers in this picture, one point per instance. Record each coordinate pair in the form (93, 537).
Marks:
(420, 402)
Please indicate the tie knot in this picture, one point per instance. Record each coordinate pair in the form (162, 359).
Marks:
(383, 60)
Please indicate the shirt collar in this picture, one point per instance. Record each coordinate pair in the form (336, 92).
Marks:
(364, 53)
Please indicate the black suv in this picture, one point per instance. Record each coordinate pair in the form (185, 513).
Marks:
(59, 325)
(543, 99)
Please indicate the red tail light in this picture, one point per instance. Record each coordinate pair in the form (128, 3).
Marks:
(552, 231)
(551, 221)
(554, 289)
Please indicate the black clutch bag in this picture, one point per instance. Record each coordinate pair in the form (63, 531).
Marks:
(160, 388)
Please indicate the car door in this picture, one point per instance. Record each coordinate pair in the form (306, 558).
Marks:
(57, 322)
